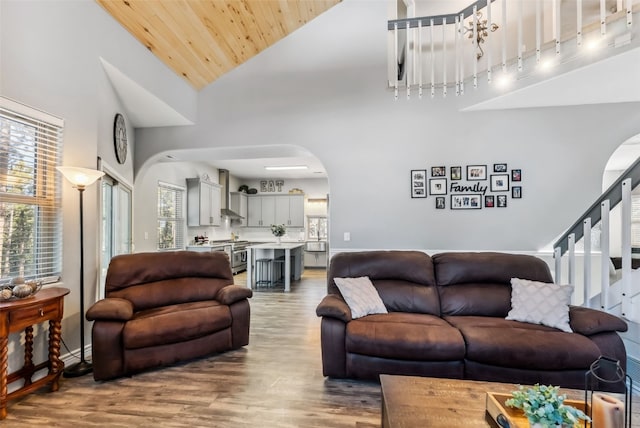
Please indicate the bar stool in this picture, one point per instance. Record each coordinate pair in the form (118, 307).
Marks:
(263, 272)
(278, 270)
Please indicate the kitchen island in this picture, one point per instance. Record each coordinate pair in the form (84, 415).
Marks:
(273, 250)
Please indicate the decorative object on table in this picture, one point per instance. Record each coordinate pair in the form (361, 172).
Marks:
(544, 406)
(278, 231)
(418, 183)
(18, 288)
(243, 188)
(252, 191)
(607, 411)
(80, 178)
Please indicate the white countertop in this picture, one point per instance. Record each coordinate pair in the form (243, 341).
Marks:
(276, 246)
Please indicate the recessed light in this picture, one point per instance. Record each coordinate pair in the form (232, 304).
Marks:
(285, 167)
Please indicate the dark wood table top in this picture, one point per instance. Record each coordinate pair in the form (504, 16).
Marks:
(419, 402)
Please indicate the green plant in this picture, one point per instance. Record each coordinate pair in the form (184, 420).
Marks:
(542, 404)
(278, 229)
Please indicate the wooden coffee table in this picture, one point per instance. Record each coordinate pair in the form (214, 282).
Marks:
(419, 402)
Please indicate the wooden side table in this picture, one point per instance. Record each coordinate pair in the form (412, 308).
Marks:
(16, 315)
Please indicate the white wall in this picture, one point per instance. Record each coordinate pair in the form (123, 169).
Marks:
(368, 143)
(50, 59)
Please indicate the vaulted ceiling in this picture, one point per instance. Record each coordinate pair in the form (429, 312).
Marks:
(201, 40)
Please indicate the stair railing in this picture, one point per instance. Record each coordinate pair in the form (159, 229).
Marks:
(618, 193)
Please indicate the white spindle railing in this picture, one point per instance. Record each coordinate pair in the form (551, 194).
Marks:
(520, 24)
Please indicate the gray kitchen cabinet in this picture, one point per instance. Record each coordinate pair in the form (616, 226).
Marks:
(239, 205)
(315, 259)
(203, 203)
(290, 210)
(261, 211)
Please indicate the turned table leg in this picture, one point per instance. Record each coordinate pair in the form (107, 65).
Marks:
(4, 355)
(56, 365)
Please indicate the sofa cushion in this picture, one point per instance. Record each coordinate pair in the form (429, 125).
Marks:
(361, 296)
(513, 344)
(405, 336)
(175, 323)
(479, 283)
(540, 303)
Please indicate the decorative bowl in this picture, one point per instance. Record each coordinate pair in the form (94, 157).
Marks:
(19, 289)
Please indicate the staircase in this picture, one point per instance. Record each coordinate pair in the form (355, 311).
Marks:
(500, 43)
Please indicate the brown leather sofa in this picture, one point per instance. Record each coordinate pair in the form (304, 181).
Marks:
(165, 307)
(447, 319)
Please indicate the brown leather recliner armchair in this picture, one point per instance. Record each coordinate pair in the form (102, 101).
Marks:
(162, 308)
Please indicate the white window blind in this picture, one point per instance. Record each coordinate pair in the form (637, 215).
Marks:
(170, 217)
(30, 213)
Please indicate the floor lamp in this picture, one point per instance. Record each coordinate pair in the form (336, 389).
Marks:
(81, 178)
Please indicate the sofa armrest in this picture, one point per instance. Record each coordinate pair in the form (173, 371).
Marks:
(233, 293)
(334, 306)
(111, 308)
(588, 321)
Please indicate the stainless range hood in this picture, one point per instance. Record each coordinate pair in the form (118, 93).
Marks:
(223, 180)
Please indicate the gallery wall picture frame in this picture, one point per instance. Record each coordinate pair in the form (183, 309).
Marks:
(499, 167)
(500, 182)
(438, 171)
(456, 173)
(489, 201)
(440, 202)
(466, 202)
(476, 172)
(516, 192)
(418, 183)
(516, 175)
(501, 201)
(437, 186)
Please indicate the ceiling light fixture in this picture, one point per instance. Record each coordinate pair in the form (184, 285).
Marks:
(285, 167)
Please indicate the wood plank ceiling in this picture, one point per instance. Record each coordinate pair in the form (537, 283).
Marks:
(201, 40)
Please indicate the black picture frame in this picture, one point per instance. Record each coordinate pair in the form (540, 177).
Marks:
(455, 173)
(437, 186)
(466, 201)
(499, 182)
(418, 183)
(438, 171)
(516, 192)
(501, 201)
(516, 175)
(440, 202)
(476, 172)
(499, 167)
(489, 201)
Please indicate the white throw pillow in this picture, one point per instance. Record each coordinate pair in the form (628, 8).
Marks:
(540, 303)
(361, 296)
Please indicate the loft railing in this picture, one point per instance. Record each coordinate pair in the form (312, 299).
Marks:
(622, 294)
(513, 37)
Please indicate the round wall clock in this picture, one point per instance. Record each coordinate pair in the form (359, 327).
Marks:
(120, 138)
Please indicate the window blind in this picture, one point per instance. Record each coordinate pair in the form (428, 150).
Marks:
(170, 217)
(30, 212)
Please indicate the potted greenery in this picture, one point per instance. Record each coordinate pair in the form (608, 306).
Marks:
(278, 230)
(544, 407)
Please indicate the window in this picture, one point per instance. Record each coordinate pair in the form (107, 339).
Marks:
(30, 213)
(317, 227)
(170, 217)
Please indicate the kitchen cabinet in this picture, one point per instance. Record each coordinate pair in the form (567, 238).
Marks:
(203, 203)
(290, 210)
(238, 202)
(261, 211)
(315, 259)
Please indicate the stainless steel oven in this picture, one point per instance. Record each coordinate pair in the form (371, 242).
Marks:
(239, 256)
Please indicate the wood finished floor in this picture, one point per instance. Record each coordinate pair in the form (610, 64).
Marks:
(276, 381)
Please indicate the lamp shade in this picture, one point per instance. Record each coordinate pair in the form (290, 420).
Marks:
(80, 177)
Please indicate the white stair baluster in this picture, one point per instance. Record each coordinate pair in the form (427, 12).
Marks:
(586, 239)
(626, 248)
(604, 248)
